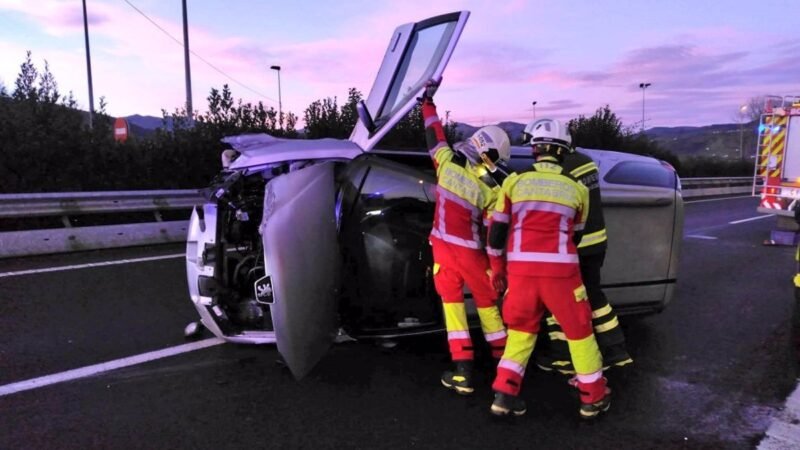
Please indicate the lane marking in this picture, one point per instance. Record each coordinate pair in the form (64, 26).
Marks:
(89, 265)
(717, 199)
(751, 219)
(700, 236)
(95, 369)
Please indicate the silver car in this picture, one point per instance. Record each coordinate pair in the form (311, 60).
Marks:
(306, 242)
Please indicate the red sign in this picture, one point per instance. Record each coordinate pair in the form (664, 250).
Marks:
(120, 130)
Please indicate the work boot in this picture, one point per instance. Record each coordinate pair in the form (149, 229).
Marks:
(592, 410)
(507, 404)
(460, 380)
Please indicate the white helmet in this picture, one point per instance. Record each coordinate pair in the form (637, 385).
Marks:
(549, 131)
(492, 141)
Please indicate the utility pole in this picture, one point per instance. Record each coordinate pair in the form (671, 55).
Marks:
(534, 110)
(280, 105)
(446, 117)
(742, 111)
(643, 86)
(189, 109)
(88, 64)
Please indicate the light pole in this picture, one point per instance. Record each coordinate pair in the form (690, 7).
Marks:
(187, 67)
(534, 109)
(643, 86)
(88, 65)
(742, 111)
(280, 106)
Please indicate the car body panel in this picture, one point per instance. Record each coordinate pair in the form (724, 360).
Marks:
(258, 151)
(302, 257)
(417, 53)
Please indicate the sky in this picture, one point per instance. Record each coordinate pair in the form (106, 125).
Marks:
(703, 59)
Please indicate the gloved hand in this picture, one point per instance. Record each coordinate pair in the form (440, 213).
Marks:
(431, 86)
(498, 274)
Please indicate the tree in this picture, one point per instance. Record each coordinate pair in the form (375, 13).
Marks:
(601, 131)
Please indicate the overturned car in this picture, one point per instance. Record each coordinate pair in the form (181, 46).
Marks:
(303, 242)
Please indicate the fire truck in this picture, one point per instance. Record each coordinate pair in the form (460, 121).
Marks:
(777, 164)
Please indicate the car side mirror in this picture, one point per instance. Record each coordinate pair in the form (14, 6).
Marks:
(364, 116)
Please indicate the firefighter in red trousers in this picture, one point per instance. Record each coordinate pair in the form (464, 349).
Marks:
(553, 353)
(466, 190)
(532, 237)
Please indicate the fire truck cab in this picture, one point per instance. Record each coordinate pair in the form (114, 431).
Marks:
(777, 166)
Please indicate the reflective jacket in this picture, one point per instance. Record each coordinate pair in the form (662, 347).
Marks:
(594, 239)
(464, 194)
(535, 221)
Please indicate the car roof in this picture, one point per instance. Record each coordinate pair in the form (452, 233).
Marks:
(605, 159)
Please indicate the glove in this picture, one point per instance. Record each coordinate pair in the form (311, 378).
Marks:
(498, 274)
(431, 86)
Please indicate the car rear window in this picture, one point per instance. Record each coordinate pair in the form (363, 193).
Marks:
(641, 174)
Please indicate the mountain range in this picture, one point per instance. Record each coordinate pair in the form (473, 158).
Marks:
(715, 141)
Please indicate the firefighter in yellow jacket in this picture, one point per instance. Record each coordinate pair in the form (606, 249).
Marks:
(466, 190)
(532, 237)
(553, 353)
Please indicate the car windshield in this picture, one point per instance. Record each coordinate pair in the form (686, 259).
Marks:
(424, 54)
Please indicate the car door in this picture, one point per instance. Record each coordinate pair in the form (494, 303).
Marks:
(303, 260)
(417, 52)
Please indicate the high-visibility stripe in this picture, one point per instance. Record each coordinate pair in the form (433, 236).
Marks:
(579, 226)
(455, 198)
(458, 335)
(585, 355)
(552, 320)
(542, 206)
(566, 258)
(496, 336)
(456, 240)
(430, 121)
(600, 312)
(561, 363)
(611, 324)
(494, 252)
(589, 377)
(797, 280)
(583, 170)
(593, 238)
(512, 366)
(500, 217)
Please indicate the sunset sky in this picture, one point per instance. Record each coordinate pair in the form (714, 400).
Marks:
(571, 57)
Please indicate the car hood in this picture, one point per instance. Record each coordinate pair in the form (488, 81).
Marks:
(262, 149)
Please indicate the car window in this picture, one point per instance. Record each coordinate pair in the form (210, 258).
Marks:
(423, 56)
(642, 174)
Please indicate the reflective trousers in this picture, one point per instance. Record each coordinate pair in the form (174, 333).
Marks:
(455, 266)
(525, 303)
(553, 353)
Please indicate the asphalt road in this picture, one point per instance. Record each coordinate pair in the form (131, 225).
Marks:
(710, 371)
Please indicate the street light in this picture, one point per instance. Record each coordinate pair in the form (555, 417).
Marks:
(88, 64)
(643, 86)
(280, 106)
(534, 110)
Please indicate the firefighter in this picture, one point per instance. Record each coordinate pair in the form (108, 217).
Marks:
(468, 180)
(532, 238)
(553, 353)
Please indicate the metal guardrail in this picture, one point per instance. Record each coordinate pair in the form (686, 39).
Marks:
(72, 204)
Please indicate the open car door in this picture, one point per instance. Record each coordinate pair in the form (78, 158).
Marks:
(418, 52)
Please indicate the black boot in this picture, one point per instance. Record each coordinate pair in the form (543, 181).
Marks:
(459, 379)
(507, 404)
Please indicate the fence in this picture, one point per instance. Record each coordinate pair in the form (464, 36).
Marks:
(69, 207)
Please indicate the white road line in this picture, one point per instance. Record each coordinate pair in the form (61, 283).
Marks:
(718, 199)
(88, 265)
(700, 236)
(87, 371)
(751, 219)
